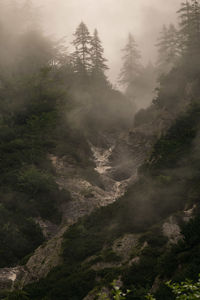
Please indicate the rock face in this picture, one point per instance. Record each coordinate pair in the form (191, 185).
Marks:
(8, 277)
(85, 196)
(188, 214)
(43, 260)
(129, 153)
(172, 231)
(171, 228)
(124, 246)
(49, 229)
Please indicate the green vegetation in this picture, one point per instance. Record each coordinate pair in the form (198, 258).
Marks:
(186, 290)
(116, 293)
(50, 104)
(17, 295)
(128, 215)
(53, 103)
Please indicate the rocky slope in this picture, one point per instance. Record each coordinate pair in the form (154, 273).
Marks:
(116, 163)
(85, 197)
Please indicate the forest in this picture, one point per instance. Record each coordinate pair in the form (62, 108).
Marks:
(99, 186)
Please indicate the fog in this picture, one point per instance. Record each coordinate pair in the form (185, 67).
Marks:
(74, 139)
(114, 19)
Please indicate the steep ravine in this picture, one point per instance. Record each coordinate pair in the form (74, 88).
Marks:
(116, 164)
(85, 197)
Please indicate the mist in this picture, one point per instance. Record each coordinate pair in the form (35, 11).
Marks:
(99, 147)
(114, 20)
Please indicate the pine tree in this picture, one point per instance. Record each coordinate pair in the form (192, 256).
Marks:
(185, 16)
(189, 15)
(82, 54)
(98, 62)
(162, 46)
(131, 63)
(168, 49)
(173, 44)
(195, 20)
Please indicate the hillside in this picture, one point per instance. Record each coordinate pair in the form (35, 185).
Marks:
(147, 236)
(92, 190)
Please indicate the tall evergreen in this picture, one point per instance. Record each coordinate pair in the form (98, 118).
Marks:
(82, 54)
(98, 62)
(195, 25)
(131, 62)
(189, 15)
(168, 49)
(185, 19)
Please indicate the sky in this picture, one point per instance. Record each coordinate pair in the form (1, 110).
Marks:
(114, 19)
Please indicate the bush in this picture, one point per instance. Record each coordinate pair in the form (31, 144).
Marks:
(33, 181)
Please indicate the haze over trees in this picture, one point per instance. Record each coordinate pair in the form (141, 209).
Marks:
(131, 68)
(168, 49)
(81, 56)
(98, 66)
(58, 105)
(137, 80)
(49, 102)
(88, 58)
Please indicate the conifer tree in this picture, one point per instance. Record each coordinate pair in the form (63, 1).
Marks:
(162, 46)
(185, 19)
(82, 44)
(131, 62)
(168, 49)
(189, 15)
(98, 62)
(195, 20)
